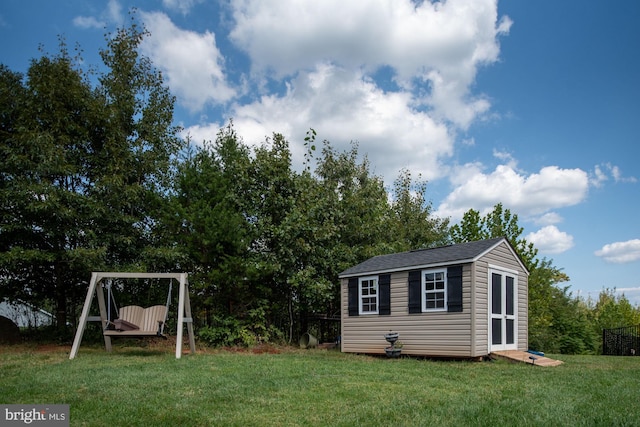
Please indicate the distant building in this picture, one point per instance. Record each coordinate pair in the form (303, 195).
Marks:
(25, 315)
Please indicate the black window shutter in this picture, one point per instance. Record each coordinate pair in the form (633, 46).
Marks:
(384, 293)
(454, 289)
(353, 296)
(415, 294)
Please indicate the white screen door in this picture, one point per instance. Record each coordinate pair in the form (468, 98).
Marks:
(503, 325)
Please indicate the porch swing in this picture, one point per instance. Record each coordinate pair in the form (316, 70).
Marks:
(133, 320)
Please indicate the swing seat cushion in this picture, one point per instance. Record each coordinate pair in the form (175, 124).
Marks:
(123, 325)
(141, 320)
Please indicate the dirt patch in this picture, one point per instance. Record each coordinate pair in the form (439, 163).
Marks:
(51, 348)
(265, 348)
(35, 348)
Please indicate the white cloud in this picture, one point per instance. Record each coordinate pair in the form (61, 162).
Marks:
(114, 12)
(461, 174)
(617, 175)
(549, 218)
(191, 62)
(183, 6)
(341, 104)
(201, 133)
(601, 173)
(530, 195)
(506, 157)
(437, 47)
(325, 54)
(111, 15)
(550, 240)
(620, 252)
(88, 22)
(599, 177)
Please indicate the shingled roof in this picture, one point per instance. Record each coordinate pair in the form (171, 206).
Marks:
(443, 255)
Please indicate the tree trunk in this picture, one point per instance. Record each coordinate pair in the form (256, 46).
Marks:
(61, 302)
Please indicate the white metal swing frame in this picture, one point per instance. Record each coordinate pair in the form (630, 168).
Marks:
(184, 309)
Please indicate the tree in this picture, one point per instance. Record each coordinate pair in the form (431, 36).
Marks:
(134, 150)
(499, 222)
(46, 216)
(358, 203)
(286, 238)
(210, 224)
(411, 223)
(612, 311)
(571, 329)
(84, 173)
(557, 321)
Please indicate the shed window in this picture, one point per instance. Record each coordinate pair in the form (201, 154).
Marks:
(368, 295)
(434, 290)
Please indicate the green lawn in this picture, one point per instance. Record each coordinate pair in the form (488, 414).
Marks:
(137, 386)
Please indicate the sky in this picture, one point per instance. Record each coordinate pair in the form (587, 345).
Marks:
(530, 104)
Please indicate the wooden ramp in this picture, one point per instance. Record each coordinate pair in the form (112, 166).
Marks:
(523, 356)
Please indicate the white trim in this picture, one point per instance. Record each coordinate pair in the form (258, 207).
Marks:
(375, 279)
(443, 264)
(409, 268)
(503, 269)
(511, 249)
(503, 272)
(423, 295)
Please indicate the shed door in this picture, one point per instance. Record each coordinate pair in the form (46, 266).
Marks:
(503, 324)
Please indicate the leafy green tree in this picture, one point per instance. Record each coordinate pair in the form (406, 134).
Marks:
(340, 216)
(557, 321)
(470, 228)
(500, 222)
(359, 204)
(209, 222)
(46, 216)
(84, 171)
(571, 330)
(13, 191)
(278, 248)
(135, 150)
(611, 311)
(411, 223)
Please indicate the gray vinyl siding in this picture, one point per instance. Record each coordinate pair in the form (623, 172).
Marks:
(438, 334)
(481, 308)
(427, 334)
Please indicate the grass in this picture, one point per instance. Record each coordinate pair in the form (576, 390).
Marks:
(136, 386)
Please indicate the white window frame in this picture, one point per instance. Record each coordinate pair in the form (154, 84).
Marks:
(362, 296)
(425, 291)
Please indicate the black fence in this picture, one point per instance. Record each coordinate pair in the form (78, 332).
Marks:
(326, 329)
(621, 341)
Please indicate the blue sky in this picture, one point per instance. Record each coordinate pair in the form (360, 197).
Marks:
(532, 104)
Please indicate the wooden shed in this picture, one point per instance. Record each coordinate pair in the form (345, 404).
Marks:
(465, 300)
